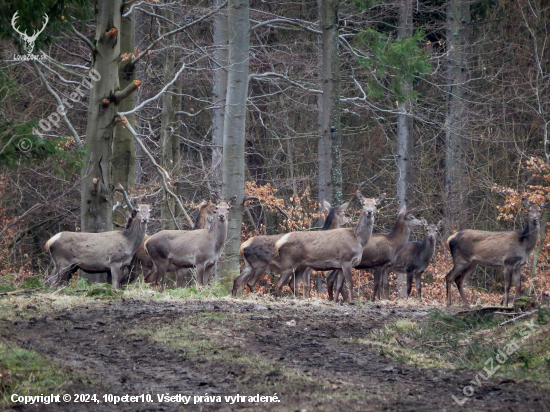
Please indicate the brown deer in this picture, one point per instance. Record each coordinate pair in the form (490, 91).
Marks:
(326, 250)
(205, 209)
(98, 252)
(414, 257)
(259, 252)
(509, 250)
(191, 248)
(379, 254)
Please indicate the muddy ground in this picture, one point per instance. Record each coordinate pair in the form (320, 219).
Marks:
(308, 354)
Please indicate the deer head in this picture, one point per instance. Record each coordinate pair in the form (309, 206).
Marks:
(28, 41)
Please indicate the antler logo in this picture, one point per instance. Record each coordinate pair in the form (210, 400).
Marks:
(28, 41)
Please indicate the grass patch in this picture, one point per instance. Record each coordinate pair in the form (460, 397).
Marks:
(28, 373)
(468, 341)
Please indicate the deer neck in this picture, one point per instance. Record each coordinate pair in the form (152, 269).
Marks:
(529, 235)
(218, 233)
(135, 234)
(363, 230)
(428, 247)
(400, 233)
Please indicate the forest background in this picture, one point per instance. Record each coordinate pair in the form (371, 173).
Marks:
(442, 105)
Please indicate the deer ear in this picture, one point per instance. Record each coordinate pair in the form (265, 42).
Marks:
(202, 205)
(424, 222)
(233, 201)
(326, 206)
(360, 196)
(403, 209)
(412, 211)
(380, 199)
(134, 213)
(440, 224)
(343, 207)
(127, 215)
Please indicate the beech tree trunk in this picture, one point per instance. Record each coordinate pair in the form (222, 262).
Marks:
(219, 92)
(97, 187)
(234, 133)
(405, 144)
(456, 123)
(330, 138)
(124, 147)
(169, 141)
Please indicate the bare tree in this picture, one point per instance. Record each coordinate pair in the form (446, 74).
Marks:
(330, 139)
(456, 122)
(234, 132)
(219, 92)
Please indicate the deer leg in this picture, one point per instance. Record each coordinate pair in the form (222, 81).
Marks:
(385, 282)
(200, 276)
(330, 284)
(346, 270)
(242, 278)
(306, 281)
(517, 280)
(115, 276)
(508, 273)
(258, 273)
(451, 277)
(376, 285)
(418, 280)
(409, 283)
(181, 274)
(339, 285)
(208, 270)
(283, 280)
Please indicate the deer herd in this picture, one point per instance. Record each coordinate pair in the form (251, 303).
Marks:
(296, 254)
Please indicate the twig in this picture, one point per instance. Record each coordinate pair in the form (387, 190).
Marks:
(161, 171)
(126, 197)
(526, 314)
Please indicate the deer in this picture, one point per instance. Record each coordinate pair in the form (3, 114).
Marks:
(339, 249)
(191, 248)
(414, 257)
(205, 209)
(508, 250)
(28, 41)
(379, 254)
(98, 252)
(259, 252)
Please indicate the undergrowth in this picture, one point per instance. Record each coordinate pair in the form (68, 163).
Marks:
(467, 341)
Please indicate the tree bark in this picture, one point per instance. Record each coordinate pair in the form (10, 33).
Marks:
(456, 123)
(169, 142)
(405, 144)
(97, 187)
(330, 138)
(219, 92)
(124, 147)
(234, 133)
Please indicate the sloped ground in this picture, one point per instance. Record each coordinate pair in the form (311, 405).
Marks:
(310, 355)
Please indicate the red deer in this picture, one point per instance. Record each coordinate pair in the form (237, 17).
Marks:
(414, 257)
(191, 248)
(379, 254)
(259, 252)
(205, 209)
(508, 250)
(326, 250)
(98, 252)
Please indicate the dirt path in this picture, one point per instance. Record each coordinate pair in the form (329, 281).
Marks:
(309, 355)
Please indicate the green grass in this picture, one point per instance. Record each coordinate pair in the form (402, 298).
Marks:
(468, 341)
(28, 373)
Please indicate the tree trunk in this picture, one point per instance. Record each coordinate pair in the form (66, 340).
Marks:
(124, 147)
(219, 92)
(405, 144)
(234, 133)
(169, 148)
(97, 188)
(330, 138)
(456, 123)
(538, 249)
(96, 202)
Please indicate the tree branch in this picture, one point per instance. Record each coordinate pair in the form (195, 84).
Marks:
(161, 171)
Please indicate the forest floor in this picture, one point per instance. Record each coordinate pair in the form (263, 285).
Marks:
(309, 355)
